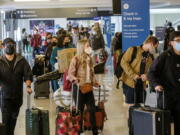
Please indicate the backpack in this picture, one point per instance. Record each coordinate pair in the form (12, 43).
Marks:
(119, 70)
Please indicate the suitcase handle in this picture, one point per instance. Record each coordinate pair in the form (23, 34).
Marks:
(77, 98)
(163, 98)
(28, 101)
(99, 98)
(1, 119)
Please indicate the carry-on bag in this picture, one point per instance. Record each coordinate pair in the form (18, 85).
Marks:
(149, 121)
(68, 119)
(100, 115)
(41, 89)
(2, 125)
(39, 67)
(62, 98)
(64, 58)
(37, 120)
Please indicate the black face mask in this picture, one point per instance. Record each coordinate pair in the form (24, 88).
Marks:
(54, 43)
(66, 44)
(10, 49)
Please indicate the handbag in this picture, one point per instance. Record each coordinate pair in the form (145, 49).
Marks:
(62, 98)
(87, 87)
(67, 84)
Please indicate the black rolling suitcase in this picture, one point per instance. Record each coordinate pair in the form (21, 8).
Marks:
(2, 126)
(2, 129)
(149, 121)
(41, 89)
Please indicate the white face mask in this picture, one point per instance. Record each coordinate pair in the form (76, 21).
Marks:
(88, 50)
(152, 50)
(94, 32)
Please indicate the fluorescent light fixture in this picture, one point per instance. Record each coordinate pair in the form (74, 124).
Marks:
(30, 0)
(165, 11)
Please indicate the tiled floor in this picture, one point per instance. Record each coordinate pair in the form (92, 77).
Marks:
(115, 108)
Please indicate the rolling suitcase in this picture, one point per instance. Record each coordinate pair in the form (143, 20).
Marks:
(100, 115)
(2, 129)
(2, 126)
(68, 119)
(37, 121)
(41, 89)
(39, 67)
(149, 121)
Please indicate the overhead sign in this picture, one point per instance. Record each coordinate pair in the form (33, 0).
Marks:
(135, 22)
(56, 13)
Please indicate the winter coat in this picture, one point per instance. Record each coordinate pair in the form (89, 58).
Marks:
(133, 69)
(97, 42)
(36, 40)
(12, 81)
(165, 71)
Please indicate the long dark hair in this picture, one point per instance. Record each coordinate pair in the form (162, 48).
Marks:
(60, 41)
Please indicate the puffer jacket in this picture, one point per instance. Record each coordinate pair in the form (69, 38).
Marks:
(12, 81)
(133, 69)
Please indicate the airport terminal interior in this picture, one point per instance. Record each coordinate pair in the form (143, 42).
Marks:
(38, 24)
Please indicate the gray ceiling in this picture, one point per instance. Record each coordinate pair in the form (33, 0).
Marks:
(86, 3)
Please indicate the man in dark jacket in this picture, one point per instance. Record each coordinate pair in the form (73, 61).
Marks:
(14, 70)
(164, 74)
(167, 34)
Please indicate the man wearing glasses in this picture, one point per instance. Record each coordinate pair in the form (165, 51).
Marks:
(164, 74)
(14, 69)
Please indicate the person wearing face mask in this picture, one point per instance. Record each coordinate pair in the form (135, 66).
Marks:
(47, 41)
(14, 71)
(36, 42)
(164, 75)
(97, 39)
(82, 74)
(52, 44)
(135, 72)
(75, 34)
(61, 44)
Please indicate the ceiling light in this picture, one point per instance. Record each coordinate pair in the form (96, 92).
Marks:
(165, 11)
(30, 0)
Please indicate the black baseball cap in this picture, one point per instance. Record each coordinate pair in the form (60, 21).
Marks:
(8, 40)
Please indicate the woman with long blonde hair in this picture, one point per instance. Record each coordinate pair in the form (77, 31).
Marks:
(81, 72)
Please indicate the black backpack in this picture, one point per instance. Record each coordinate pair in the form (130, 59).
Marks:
(119, 69)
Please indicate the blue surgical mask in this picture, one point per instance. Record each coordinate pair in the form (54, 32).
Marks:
(94, 32)
(177, 46)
